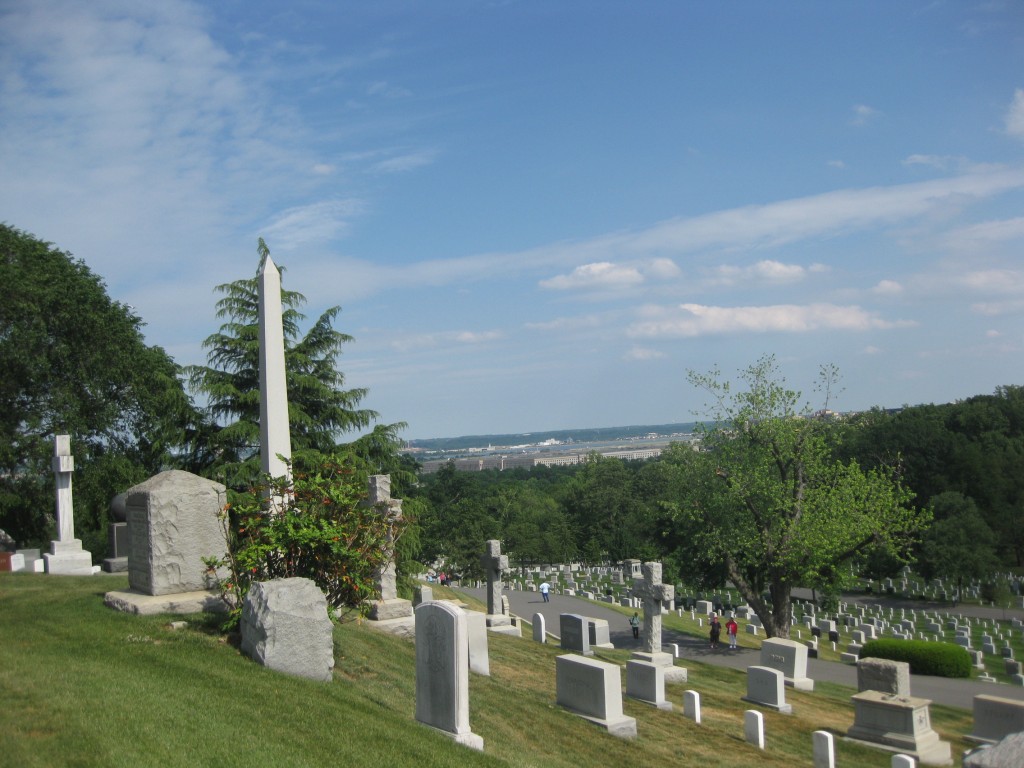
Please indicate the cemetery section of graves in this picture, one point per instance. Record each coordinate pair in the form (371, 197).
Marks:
(84, 685)
(996, 645)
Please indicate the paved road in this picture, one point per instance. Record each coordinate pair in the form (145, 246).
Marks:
(941, 690)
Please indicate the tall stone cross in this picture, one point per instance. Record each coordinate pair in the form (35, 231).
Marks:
(275, 438)
(494, 563)
(390, 605)
(653, 593)
(66, 555)
(63, 468)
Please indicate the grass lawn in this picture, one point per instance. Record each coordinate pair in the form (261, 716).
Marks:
(85, 686)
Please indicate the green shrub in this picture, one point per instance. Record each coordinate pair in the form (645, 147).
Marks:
(940, 659)
(318, 527)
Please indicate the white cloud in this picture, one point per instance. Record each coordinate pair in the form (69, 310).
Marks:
(863, 114)
(992, 334)
(994, 281)
(662, 269)
(420, 341)
(602, 274)
(871, 350)
(566, 323)
(323, 169)
(642, 353)
(1015, 115)
(690, 320)
(836, 164)
(887, 288)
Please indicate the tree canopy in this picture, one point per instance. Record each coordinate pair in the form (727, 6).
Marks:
(73, 361)
(766, 502)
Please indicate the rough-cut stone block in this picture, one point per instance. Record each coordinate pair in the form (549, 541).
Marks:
(285, 627)
(173, 524)
(883, 675)
(1008, 753)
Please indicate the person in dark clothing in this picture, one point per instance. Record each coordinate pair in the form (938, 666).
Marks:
(716, 630)
(634, 622)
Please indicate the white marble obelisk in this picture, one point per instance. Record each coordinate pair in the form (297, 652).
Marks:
(66, 555)
(275, 440)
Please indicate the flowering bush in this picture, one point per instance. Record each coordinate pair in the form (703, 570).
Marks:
(318, 527)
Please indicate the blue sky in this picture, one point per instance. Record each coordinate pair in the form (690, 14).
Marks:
(541, 215)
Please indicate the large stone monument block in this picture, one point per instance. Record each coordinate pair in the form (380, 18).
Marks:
(173, 522)
(285, 627)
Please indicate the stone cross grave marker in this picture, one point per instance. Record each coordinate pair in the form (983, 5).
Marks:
(390, 605)
(494, 564)
(66, 555)
(654, 594)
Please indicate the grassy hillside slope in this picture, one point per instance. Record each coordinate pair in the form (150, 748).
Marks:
(84, 686)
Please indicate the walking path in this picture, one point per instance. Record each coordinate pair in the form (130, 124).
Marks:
(941, 690)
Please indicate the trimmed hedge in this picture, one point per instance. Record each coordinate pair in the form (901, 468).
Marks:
(925, 658)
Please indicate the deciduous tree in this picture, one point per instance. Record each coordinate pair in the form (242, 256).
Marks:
(766, 499)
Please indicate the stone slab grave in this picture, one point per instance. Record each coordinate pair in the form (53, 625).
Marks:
(898, 724)
(646, 682)
(285, 627)
(495, 564)
(599, 633)
(575, 633)
(540, 634)
(442, 672)
(476, 639)
(655, 595)
(592, 689)
(790, 658)
(173, 520)
(766, 687)
(995, 718)
(390, 607)
(66, 556)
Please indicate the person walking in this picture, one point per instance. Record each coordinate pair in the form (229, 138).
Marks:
(634, 622)
(545, 588)
(731, 628)
(716, 630)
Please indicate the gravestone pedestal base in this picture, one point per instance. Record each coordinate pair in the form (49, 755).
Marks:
(673, 674)
(501, 624)
(898, 724)
(115, 565)
(397, 608)
(207, 601)
(468, 739)
(67, 558)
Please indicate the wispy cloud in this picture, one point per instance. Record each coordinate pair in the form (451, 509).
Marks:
(407, 161)
(767, 270)
(887, 288)
(316, 222)
(642, 353)
(690, 320)
(863, 114)
(1015, 115)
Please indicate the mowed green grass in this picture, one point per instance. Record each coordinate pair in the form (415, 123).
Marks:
(82, 685)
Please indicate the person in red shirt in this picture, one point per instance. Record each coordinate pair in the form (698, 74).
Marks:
(731, 629)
